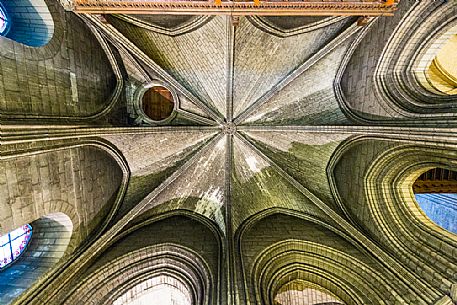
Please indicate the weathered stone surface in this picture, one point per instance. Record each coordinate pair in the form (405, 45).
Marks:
(307, 100)
(257, 186)
(303, 155)
(79, 182)
(200, 188)
(239, 208)
(73, 79)
(196, 59)
(262, 60)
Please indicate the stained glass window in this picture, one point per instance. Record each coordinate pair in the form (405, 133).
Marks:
(436, 193)
(13, 244)
(440, 208)
(3, 21)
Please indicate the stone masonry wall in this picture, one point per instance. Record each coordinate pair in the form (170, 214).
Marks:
(70, 76)
(79, 182)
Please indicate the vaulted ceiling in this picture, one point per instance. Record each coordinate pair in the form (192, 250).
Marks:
(288, 160)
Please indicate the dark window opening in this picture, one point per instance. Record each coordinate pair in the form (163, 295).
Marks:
(158, 103)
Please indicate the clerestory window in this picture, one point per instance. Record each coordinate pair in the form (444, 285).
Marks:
(436, 194)
(13, 244)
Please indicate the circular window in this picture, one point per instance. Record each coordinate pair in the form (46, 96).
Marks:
(13, 244)
(158, 103)
(436, 193)
(3, 21)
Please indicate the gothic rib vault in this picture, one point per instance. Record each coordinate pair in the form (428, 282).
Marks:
(282, 161)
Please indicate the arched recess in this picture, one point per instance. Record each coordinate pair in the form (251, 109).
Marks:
(49, 242)
(380, 199)
(59, 80)
(81, 182)
(383, 67)
(279, 249)
(174, 245)
(439, 74)
(170, 261)
(30, 22)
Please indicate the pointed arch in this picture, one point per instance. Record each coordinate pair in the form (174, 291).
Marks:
(380, 199)
(177, 244)
(34, 183)
(279, 249)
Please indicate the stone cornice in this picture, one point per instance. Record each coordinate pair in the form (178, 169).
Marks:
(264, 8)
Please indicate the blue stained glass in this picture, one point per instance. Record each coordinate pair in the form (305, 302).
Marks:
(440, 208)
(13, 244)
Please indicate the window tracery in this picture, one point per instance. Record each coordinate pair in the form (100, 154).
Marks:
(3, 21)
(13, 244)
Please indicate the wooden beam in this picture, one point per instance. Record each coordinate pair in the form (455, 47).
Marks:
(437, 180)
(421, 187)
